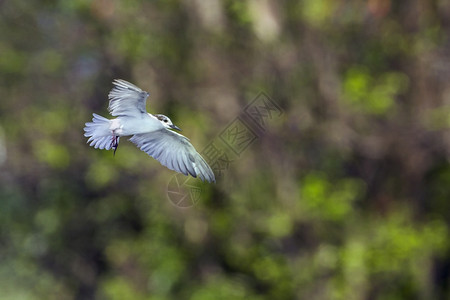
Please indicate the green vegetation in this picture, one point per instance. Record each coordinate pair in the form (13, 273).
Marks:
(343, 195)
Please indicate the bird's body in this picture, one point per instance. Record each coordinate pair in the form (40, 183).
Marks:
(151, 133)
(124, 125)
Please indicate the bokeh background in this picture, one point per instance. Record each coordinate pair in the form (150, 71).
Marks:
(345, 196)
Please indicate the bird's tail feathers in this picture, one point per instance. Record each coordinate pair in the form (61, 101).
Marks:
(99, 134)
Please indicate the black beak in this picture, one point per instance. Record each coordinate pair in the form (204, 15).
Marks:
(175, 127)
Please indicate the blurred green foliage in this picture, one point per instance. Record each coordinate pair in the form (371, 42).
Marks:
(344, 196)
(373, 96)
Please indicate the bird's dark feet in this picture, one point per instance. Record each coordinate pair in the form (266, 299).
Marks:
(115, 143)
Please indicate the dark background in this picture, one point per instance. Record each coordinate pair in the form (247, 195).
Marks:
(344, 196)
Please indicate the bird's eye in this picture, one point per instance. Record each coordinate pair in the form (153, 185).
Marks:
(165, 121)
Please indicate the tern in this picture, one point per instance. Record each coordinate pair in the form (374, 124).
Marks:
(151, 133)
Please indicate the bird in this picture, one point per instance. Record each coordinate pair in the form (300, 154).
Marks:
(152, 133)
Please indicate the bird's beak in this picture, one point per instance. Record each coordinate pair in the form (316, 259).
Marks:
(175, 127)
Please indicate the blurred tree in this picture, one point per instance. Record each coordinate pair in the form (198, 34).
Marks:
(345, 196)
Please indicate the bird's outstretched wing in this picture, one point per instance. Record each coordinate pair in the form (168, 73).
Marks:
(175, 152)
(126, 99)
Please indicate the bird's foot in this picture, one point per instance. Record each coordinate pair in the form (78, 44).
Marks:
(115, 143)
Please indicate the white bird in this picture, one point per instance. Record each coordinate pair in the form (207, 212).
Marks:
(151, 133)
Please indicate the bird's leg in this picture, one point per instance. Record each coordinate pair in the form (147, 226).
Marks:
(114, 143)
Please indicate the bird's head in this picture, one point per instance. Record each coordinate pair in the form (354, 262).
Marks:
(167, 122)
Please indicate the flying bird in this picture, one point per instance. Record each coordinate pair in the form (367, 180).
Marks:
(151, 133)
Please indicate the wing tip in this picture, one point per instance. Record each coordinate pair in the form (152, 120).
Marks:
(120, 83)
